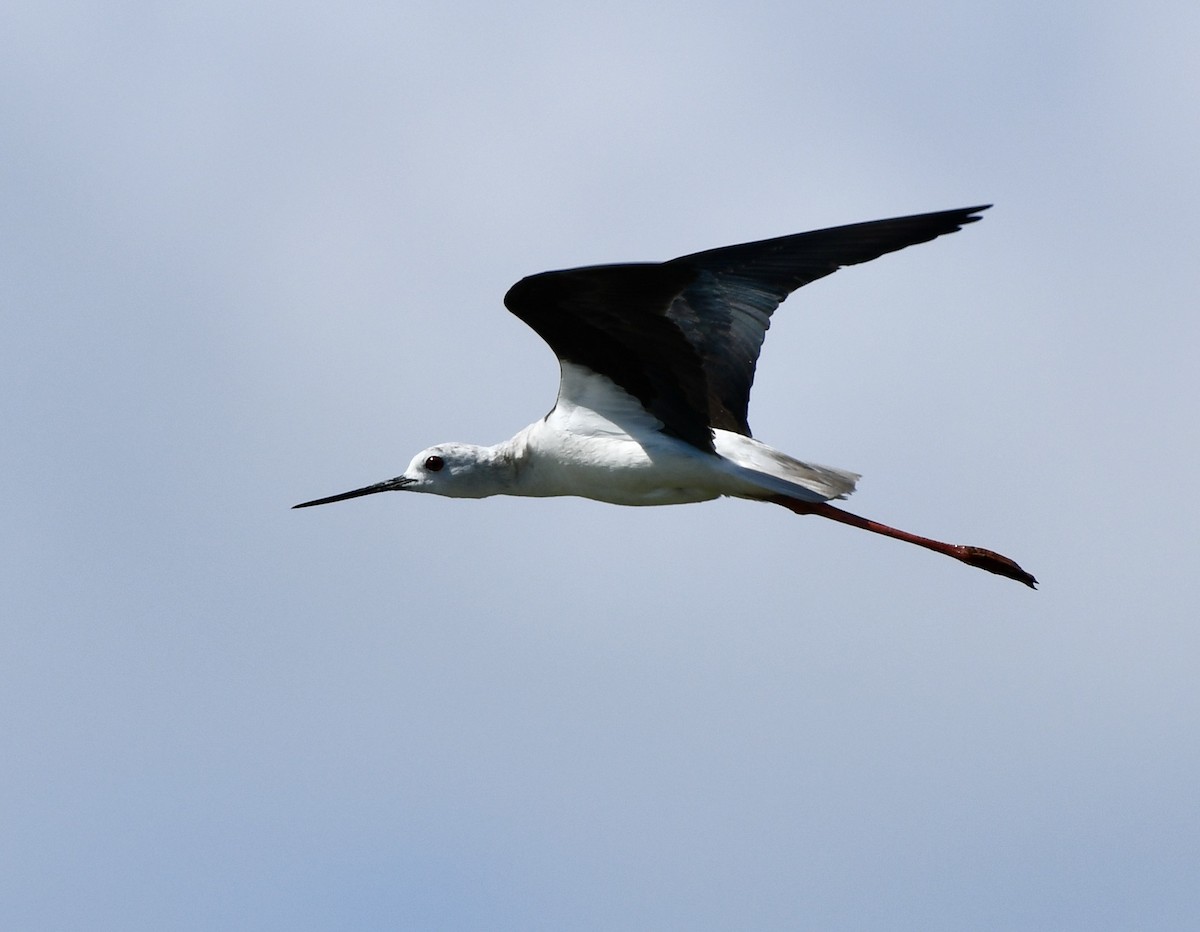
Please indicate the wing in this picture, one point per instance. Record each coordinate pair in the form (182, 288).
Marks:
(726, 309)
(612, 319)
(683, 337)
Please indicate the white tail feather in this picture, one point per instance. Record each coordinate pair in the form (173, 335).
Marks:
(827, 482)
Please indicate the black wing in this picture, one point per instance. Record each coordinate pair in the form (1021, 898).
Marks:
(683, 337)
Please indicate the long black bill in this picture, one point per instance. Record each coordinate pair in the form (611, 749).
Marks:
(388, 485)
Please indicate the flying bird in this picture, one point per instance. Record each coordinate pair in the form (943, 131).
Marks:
(656, 364)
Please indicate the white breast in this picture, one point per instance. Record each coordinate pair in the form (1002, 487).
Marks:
(600, 443)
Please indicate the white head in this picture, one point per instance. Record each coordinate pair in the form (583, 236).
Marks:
(456, 470)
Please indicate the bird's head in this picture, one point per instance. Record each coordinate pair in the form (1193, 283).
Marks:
(456, 470)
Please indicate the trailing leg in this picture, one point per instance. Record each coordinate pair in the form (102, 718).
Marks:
(973, 556)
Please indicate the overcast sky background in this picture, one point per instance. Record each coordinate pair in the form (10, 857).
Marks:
(255, 253)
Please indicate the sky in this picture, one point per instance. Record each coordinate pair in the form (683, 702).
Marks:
(253, 254)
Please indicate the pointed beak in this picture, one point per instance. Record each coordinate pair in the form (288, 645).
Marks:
(388, 485)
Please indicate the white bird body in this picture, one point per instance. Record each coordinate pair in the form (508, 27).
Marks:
(656, 363)
(598, 442)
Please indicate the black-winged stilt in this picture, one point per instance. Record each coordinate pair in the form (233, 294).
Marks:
(657, 360)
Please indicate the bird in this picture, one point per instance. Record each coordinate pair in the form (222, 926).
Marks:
(656, 362)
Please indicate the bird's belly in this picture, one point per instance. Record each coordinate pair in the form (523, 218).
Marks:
(624, 472)
(658, 494)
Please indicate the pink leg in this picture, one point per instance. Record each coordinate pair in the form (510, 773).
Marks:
(973, 556)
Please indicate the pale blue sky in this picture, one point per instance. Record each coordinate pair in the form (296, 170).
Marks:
(253, 254)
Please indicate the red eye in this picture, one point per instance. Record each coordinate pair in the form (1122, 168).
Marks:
(434, 463)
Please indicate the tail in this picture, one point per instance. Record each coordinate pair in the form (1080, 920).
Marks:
(824, 482)
(973, 556)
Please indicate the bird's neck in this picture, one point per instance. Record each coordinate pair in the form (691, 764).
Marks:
(508, 463)
(496, 470)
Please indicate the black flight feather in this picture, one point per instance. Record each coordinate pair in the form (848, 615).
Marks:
(683, 337)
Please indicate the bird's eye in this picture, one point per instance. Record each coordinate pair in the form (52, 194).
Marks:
(434, 463)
